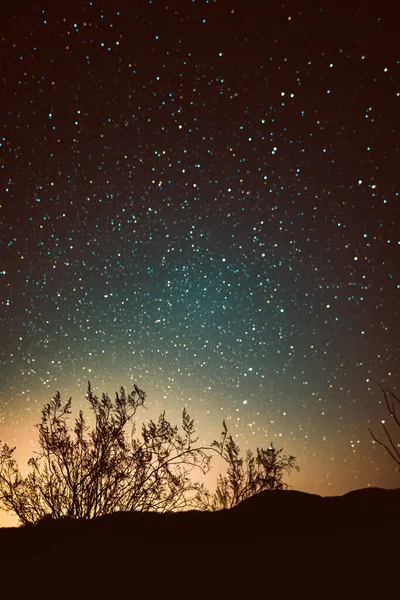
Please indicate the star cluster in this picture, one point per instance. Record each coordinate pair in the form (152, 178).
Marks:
(203, 198)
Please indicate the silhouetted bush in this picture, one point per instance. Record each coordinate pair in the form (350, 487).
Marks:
(88, 472)
(247, 476)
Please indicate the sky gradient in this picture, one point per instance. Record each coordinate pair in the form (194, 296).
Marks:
(203, 199)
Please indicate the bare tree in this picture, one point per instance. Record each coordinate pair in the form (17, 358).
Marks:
(85, 473)
(389, 444)
(247, 476)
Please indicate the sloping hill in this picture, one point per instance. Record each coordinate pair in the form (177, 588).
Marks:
(281, 512)
(274, 534)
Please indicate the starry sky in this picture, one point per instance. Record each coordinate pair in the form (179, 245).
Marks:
(202, 198)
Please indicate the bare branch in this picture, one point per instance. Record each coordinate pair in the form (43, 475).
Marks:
(390, 446)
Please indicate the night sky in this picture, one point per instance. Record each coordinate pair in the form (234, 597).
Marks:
(203, 199)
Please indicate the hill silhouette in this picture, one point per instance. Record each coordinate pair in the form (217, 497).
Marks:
(278, 532)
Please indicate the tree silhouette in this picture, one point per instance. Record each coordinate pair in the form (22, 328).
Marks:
(85, 473)
(247, 476)
(390, 446)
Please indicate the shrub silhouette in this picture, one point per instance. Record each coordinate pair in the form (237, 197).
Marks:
(390, 446)
(249, 476)
(84, 472)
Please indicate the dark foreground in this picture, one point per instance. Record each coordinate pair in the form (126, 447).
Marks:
(277, 544)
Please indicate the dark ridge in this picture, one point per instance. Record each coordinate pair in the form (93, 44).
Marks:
(275, 532)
